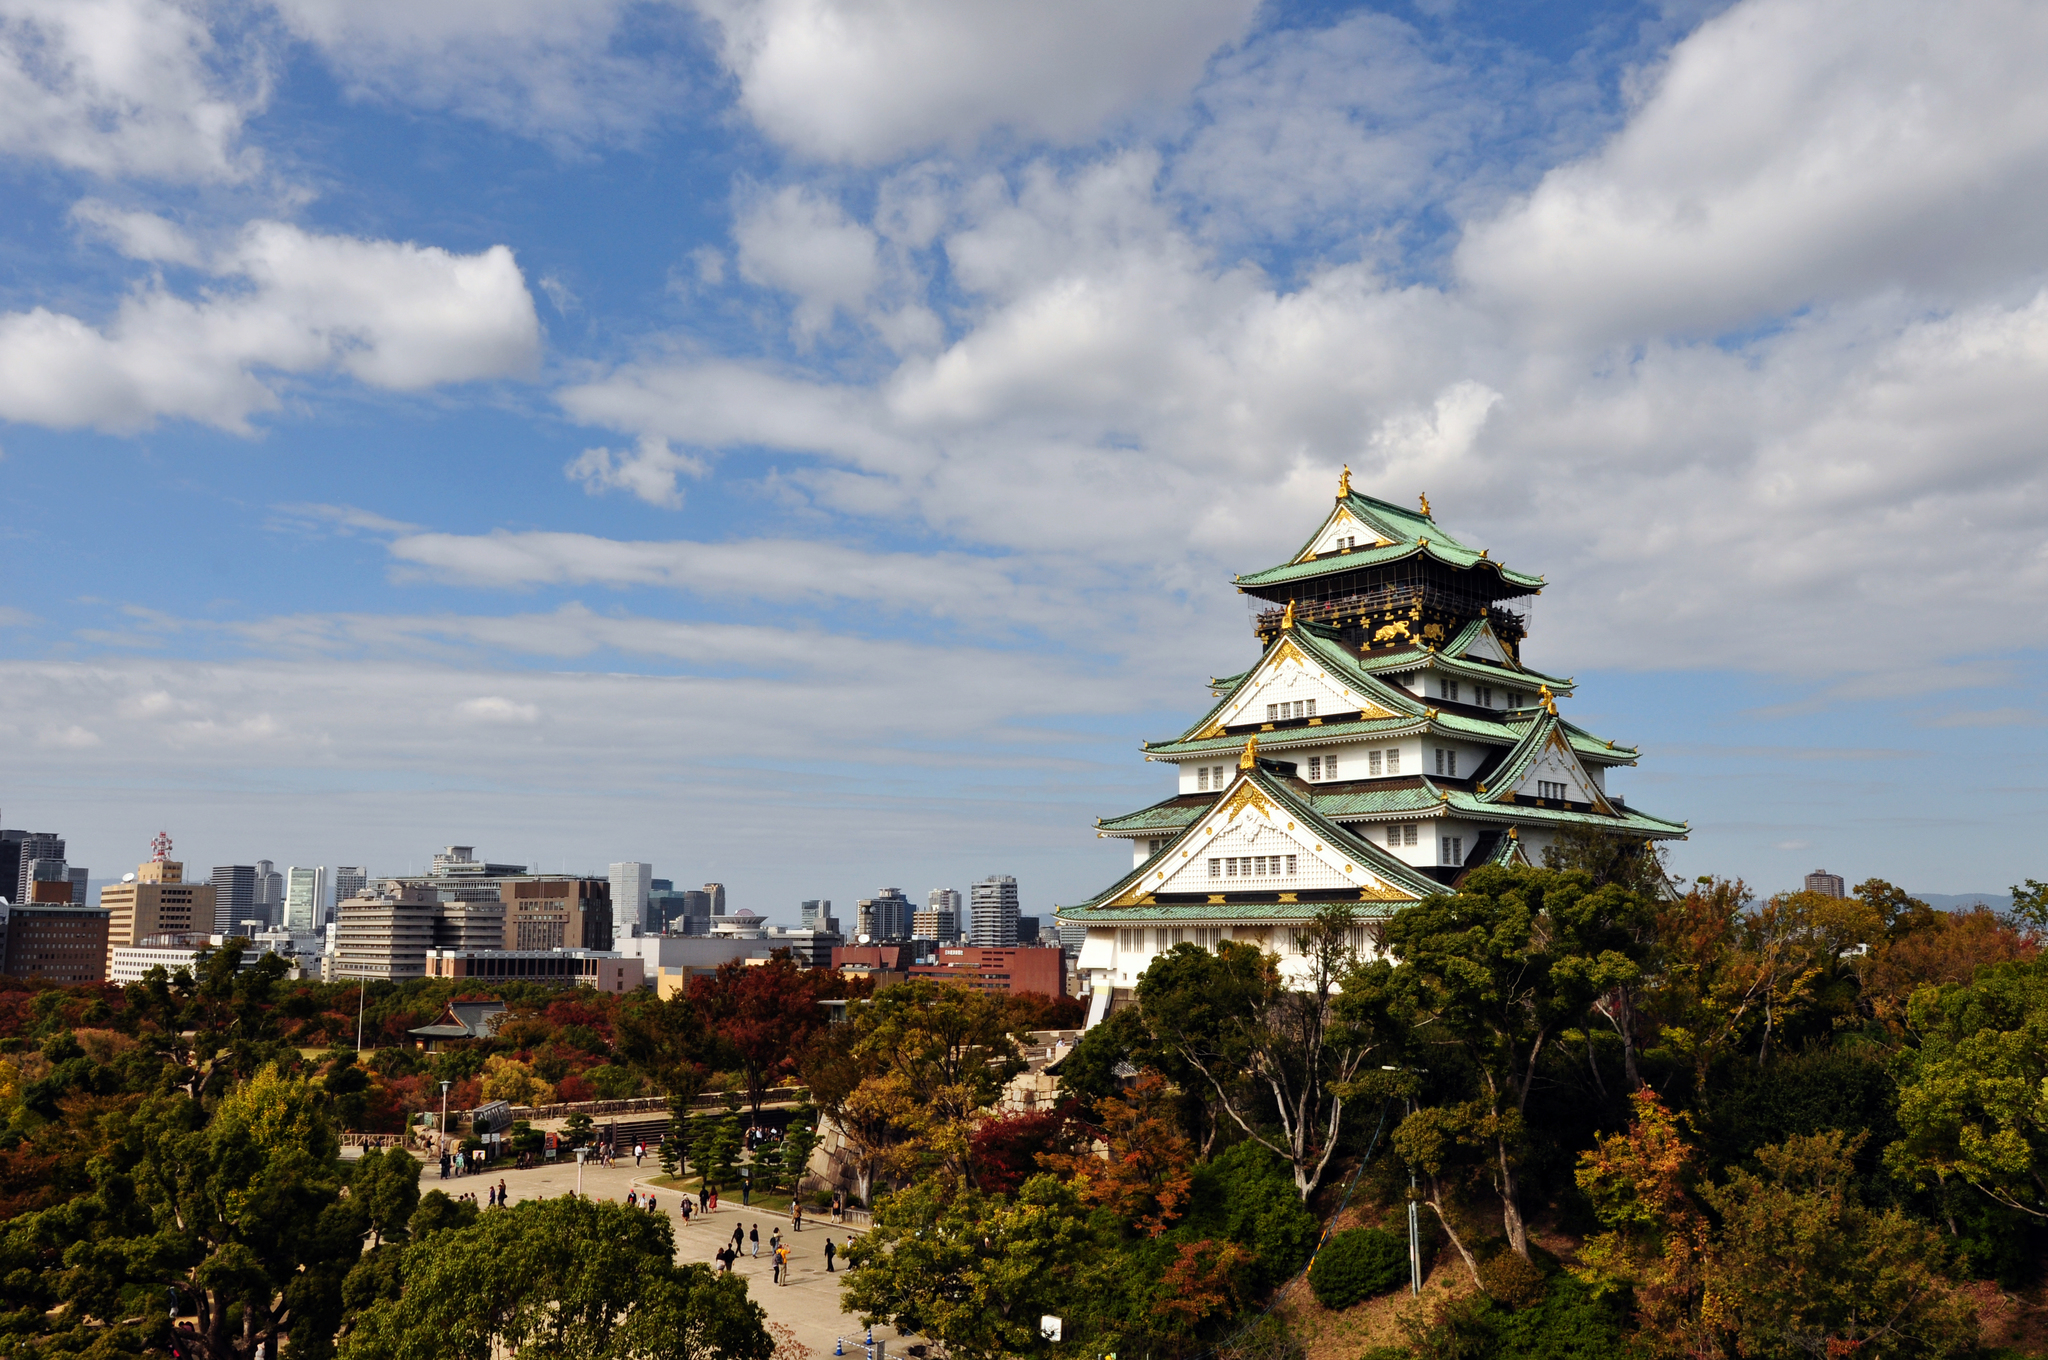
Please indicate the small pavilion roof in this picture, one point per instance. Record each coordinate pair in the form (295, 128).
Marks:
(1406, 533)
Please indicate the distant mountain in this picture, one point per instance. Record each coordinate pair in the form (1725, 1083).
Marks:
(1962, 901)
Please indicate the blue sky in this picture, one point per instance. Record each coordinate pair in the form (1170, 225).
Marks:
(805, 443)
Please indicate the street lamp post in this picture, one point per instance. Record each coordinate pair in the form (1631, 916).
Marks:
(581, 1153)
(442, 1132)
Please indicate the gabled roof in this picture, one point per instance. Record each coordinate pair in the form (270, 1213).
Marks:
(1546, 733)
(1406, 534)
(1315, 647)
(1170, 815)
(1264, 791)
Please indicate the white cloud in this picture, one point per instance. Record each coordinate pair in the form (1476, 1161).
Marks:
(558, 72)
(138, 235)
(393, 315)
(1792, 151)
(124, 88)
(648, 470)
(497, 709)
(804, 244)
(867, 80)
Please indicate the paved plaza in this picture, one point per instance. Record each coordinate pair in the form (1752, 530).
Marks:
(808, 1305)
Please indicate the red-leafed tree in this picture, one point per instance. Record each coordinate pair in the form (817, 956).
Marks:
(763, 1015)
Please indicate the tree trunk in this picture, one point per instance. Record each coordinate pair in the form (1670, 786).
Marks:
(1510, 1208)
(1435, 1203)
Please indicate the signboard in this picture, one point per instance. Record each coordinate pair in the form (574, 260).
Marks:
(1049, 1327)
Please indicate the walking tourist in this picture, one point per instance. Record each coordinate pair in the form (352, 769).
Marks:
(754, 1238)
(830, 1252)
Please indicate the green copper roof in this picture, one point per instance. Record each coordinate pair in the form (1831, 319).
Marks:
(1397, 874)
(1170, 815)
(1090, 914)
(1409, 534)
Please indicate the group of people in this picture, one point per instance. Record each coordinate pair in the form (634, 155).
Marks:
(636, 1200)
(778, 1251)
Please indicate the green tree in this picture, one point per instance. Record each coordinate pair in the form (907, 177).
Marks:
(797, 1142)
(1277, 1055)
(1801, 1266)
(242, 1215)
(1971, 1097)
(384, 1186)
(974, 1272)
(1496, 972)
(669, 1044)
(559, 1277)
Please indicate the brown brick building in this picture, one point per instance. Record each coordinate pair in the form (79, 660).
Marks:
(56, 940)
(557, 913)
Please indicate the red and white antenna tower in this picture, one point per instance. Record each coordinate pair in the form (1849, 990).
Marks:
(160, 848)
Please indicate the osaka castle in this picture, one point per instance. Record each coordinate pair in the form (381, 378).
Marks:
(1388, 741)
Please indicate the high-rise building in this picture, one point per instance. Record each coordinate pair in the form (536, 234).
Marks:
(993, 924)
(883, 917)
(37, 871)
(349, 879)
(155, 900)
(815, 913)
(305, 900)
(81, 883)
(938, 924)
(1827, 884)
(10, 861)
(385, 933)
(632, 887)
(234, 897)
(33, 846)
(269, 903)
(1027, 930)
(717, 894)
(557, 913)
(1388, 741)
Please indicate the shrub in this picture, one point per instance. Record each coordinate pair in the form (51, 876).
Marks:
(1356, 1265)
(1512, 1280)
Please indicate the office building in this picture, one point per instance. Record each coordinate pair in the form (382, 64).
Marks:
(81, 883)
(670, 961)
(28, 849)
(815, 913)
(632, 887)
(999, 970)
(937, 924)
(234, 897)
(883, 917)
(59, 941)
(716, 892)
(269, 893)
(44, 871)
(155, 900)
(673, 912)
(349, 879)
(464, 924)
(993, 923)
(1027, 930)
(131, 963)
(460, 861)
(385, 933)
(10, 860)
(557, 913)
(1827, 884)
(305, 900)
(601, 970)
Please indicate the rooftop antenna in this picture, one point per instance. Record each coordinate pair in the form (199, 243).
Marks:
(160, 847)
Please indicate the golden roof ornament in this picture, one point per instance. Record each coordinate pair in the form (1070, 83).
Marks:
(1344, 483)
(1425, 506)
(1287, 619)
(1250, 759)
(1549, 700)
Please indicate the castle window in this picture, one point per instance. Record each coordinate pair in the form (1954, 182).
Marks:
(1202, 779)
(1215, 868)
(1447, 689)
(1394, 760)
(1216, 776)
(1315, 767)
(1272, 713)
(1372, 762)
(1290, 865)
(1330, 766)
(1482, 695)
(1452, 851)
(1547, 788)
